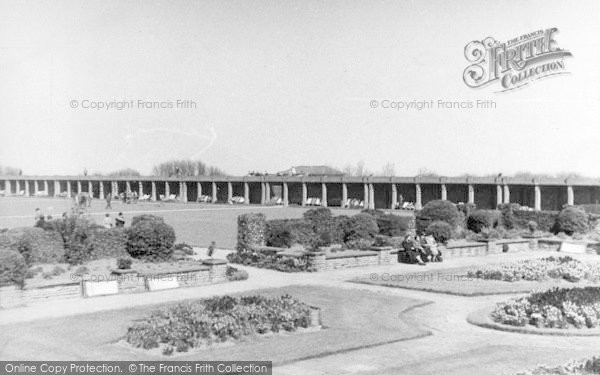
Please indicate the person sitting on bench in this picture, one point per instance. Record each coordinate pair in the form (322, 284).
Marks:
(430, 247)
(413, 249)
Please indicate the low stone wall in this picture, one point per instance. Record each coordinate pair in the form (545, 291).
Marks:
(552, 244)
(510, 246)
(468, 249)
(12, 296)
(121, 282)
(321, 261)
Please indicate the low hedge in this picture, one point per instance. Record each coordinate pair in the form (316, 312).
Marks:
(193, 324)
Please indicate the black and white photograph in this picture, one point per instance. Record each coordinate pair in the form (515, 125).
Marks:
(300, 187)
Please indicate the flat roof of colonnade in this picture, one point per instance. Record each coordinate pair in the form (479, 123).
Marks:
(328, 179)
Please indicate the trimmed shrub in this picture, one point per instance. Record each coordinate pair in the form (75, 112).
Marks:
(234, 274)
(251, 231)
(278, 233)
(150, 239)
(124, 263)
(438, 210)
(532, 226)
(440, 230)
(340, 225)
(76, 233)
(323, 224)
(480, 219)
(287, 232)
(572, 220)
(393, 225)
(361, 227)
(35, 244)
(13, 269)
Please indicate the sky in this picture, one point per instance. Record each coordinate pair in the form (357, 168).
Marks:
(272, 84)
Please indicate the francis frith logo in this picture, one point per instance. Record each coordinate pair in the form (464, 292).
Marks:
(514, 63)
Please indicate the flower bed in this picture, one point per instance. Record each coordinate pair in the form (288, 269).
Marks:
(590, 366)
(219, 319)
(562, 268)
(562, 308)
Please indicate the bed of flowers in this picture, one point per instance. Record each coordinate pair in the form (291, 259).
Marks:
(560, 268)
(585, 367)
(562, 308)
(201, 323)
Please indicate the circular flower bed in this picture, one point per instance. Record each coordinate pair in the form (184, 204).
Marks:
(556, 308)
(565, 268)
(195, 324)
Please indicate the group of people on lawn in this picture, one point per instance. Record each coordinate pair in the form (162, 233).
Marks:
(421, 249)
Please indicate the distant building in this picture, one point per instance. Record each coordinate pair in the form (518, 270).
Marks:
(311, 170)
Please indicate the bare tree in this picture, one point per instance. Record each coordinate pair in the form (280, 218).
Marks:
(356, 171)
(388, 170)
(9, 171)
(185, 167)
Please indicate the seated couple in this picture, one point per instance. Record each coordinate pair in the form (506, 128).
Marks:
(421, 249)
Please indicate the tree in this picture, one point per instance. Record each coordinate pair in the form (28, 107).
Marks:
(358, 171)
(9, 171)
(125, 172)
(389, 169)
(185, 167)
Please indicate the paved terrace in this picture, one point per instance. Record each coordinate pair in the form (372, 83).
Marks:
(454, 346)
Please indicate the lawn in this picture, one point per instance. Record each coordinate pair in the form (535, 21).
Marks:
(195, 223)
(352, 319)
(455, 281)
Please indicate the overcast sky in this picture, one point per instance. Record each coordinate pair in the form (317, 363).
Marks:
(282, 83)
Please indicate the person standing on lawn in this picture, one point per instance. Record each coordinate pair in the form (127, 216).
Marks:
(211, 249)
(108, 198)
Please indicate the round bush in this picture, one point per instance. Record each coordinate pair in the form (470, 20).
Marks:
(361, 226)
(479, 219)
(438, 210)
(151, 239)
(13, 268)
(440, 230)
(572, 220)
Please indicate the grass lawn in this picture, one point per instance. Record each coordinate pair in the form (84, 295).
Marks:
(455, 281)
(195, 223)
(352, 319)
